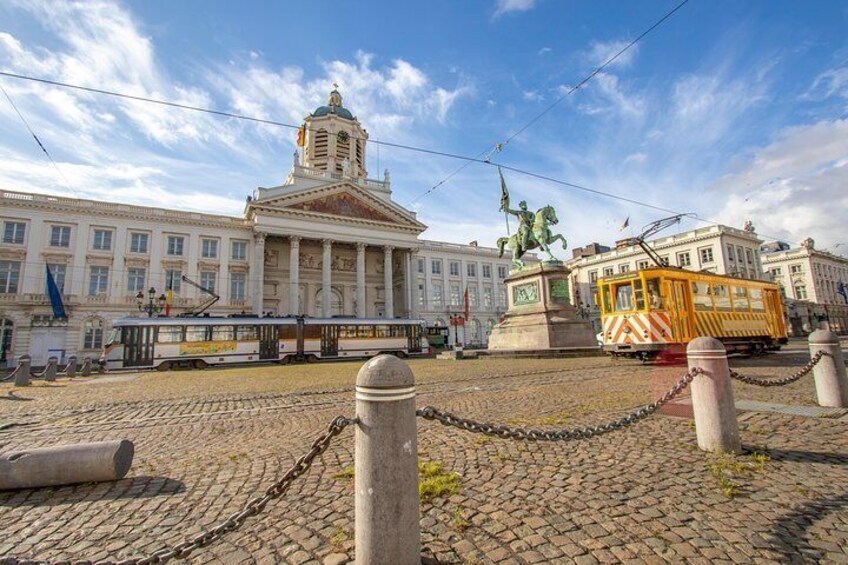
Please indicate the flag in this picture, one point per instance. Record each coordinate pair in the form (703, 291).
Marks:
(301, 136)
(169, 299)
(504, 193)
(55, 296)
(467, 305)
(625, 224)
(843, 290)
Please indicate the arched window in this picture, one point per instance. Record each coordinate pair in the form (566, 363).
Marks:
(335, 302)
(439, 323)
(800, 292)
(6, 327)
(92, 334)
(475, 330)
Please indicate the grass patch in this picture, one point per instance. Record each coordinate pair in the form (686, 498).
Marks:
(339, 539)
(459, 523)
(345, 474)
(433, 482)
(730, 470)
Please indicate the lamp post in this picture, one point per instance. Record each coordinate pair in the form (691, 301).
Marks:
(153, 306)
(456, 320)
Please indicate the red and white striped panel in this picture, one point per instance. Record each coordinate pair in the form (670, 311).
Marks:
(651, 327)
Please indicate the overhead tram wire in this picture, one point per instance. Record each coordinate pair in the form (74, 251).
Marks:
(499, 146)
(38, 141)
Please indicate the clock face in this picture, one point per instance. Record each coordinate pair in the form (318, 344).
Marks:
(343, 137)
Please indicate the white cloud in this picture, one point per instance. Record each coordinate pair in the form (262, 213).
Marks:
(532, 96)
(506, 6)
(544, 51)
(637, 158)
(600, 52)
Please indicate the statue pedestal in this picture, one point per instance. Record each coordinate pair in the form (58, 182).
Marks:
(540, 314)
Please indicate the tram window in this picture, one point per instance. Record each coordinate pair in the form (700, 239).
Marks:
(365, 332)
(740, 299)
(311, 332)
(607, 300)
(288, 332)
(654, 298)
(639, 294)
(170, 334)
(756, 296)
(114, 336)
(223, 333)
(623, 298)
(701, 296)
(198, 333)
(245, 333)
(347, 332)
(721, 297)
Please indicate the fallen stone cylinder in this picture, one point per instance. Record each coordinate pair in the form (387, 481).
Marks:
(66, 464)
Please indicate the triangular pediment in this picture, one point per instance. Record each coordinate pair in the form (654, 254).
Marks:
(344, 202)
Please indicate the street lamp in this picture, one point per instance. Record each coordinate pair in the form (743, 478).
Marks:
(153, 306)
(456, 321)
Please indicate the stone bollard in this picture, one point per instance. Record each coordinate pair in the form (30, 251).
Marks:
(66, 464)
(50, 370)
(712, 397)
(829, 372)
(85, 371)
(71, 369)
(22, 373)
(386, 477)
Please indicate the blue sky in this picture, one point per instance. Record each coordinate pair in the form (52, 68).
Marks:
(731, 110)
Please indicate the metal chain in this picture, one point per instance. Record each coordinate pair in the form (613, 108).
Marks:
(786, 380)
(448, 419)
(235, 520)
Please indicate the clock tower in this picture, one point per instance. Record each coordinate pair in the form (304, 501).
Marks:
(335, 140)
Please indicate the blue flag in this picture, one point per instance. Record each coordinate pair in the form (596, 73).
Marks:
(55, 296)
(843, 290)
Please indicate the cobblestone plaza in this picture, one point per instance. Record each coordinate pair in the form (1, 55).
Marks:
(208, 441)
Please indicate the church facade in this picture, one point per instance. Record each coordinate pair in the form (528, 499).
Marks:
(329, 241)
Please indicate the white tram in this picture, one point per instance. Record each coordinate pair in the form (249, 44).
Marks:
(163, 343)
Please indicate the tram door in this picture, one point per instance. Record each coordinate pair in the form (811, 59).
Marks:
(138, 345)
(269, 344)
(329, 340)
(679, 310)
(774, 313)
(413, 344)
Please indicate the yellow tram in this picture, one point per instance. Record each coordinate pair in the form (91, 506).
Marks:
(655, 310)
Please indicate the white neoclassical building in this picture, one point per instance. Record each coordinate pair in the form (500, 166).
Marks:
(814, 286)
(717, 249)
(329, 241)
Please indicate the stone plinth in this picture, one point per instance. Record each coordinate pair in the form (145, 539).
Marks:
(540, 314)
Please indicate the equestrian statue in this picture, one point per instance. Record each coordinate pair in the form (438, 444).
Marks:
(533, 230)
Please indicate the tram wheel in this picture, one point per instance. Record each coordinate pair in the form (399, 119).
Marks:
(164, 366)
(199, 364)
(311, 359)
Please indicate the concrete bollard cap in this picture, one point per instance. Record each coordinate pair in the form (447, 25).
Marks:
(823, 337)
(385, 371)
(700, 346)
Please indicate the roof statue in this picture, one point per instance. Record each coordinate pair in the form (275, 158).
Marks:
(808, 243)
(533, 230)
(748, 227)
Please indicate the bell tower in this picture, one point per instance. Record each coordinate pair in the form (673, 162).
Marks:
(334, 139)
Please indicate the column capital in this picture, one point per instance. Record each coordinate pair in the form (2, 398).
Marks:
(387, 249)
(295, 239)
(361, 245)
(259, 237)
(327, 242)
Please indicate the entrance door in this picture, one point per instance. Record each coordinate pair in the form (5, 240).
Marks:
(138, 346)
(269, 345)
(413, 344)
(329, 341)
(679, 310)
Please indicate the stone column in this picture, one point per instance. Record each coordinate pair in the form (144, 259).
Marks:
(258, 271)
(388, 283)
(829, 373)
(360, 280)
(326, 279)
(294, 275)
(413, 278)
(712, 397)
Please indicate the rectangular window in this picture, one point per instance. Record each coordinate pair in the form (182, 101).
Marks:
(683, 259)
(701, 296)
(92, 334)
(10, 276)
(623, 268)
(247, 333)
(198, 333)
(175, 245)
(796, 269)
(473, 298)
(436, 266)
(237, 283)
(664, 259)
(800, 292)
(643, 264)
(437, 296)
(13, 232)
(138, 242)
(756, 297)
(98, 280)
(60, 236)
(135, 279)
(207, 280)
(173, 280)
(706, 254)
(487, 298)
(421, 265)
(739, 254)
(730, 251)
(593, 276)
(238, 250)
(501, 272)
(454, 268)
(740, 299)
(422, 298)
(102, 240)
(209, 248)
(502, 297)
(721, 297)
(58, 271)
(776, 271)
(608, 271)
(487, 271)
(471, 269)
(170, 334)
(227, 333)
(454, 295)
(749, 256)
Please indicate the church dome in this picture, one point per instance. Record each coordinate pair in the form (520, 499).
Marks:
(334, 106)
